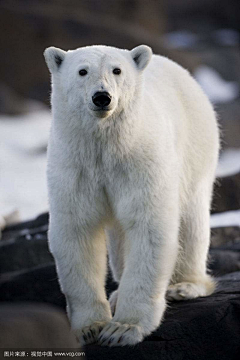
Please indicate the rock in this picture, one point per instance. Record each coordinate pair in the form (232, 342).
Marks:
(229, 246)
(224, 261)
(38, 327)
(204, 328)
(26, 245)
(223, 235)
(174, 335)
(38, 284)
(32, 227)
(226, 194)
(24, 254)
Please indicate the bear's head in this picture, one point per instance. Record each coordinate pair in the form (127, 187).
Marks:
(97, 80)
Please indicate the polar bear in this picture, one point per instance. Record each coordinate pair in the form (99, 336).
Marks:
(132, 155)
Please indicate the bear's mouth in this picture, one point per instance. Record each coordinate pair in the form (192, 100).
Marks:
(102, 112)
(104, 108)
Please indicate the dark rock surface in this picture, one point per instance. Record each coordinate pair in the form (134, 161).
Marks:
(201, 329)
(205, 328)
(225, 235)
(224, 261)
(26, 245)
(24, 228)
(226, 194)
(24, 253)
(38, 284)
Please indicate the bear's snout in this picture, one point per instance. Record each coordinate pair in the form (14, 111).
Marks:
(101, 99)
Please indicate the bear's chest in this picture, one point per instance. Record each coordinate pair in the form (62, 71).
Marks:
(116, 171)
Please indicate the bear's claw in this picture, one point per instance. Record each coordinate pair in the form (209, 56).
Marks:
(117, 334)
(89, 334)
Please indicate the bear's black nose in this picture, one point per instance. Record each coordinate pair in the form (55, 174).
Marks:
(101, 99)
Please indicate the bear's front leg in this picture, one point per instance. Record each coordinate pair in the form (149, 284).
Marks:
(80, 255)
(151, 244)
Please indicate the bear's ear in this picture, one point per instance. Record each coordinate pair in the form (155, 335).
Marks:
(54, 58)
(141, 56)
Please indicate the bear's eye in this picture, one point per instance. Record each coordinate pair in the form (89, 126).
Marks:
(117, 71)
(82, 72)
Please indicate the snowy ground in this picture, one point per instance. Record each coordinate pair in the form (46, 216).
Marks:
(228, 218)
(229, 163)
(217, 89)
(23, 141)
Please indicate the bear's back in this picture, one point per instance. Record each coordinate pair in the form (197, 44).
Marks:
(169, 85)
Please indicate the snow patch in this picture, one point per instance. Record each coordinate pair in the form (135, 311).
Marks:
(229, 163)
(216, 88)
(228, 218)
(23, 142)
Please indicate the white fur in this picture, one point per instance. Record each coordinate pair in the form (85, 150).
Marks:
(141, 172)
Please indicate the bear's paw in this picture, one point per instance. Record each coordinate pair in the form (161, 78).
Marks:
(117, 334)
(89, 334)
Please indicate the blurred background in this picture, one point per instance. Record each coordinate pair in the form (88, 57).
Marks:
(201, 35)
